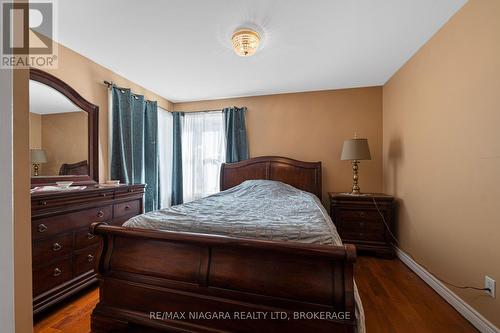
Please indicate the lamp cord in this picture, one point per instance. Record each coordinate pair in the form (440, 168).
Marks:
(396, 242)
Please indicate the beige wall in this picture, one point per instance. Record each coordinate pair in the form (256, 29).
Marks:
(442, 152)
(22, 211)
(312, 127)
(87, 77)
(65, 139)
(36, 136)
(35, 131)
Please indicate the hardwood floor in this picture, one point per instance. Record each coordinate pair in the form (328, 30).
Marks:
(394, 299)
(71, 316)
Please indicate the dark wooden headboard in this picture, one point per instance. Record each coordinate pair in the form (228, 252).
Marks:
(305, 176)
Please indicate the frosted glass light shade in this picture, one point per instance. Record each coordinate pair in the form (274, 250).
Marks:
(245, 42)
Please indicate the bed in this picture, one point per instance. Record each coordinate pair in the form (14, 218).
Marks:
(165, 272)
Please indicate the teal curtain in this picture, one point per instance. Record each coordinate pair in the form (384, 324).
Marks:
(177, 192)
(151, 157)
(236, 134)
(134, 152)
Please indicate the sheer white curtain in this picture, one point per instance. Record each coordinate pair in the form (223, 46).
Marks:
(203, 152)
(165, 129)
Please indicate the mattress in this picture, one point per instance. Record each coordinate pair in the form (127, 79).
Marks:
(256, 209)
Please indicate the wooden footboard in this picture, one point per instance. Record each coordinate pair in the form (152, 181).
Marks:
(183, 282)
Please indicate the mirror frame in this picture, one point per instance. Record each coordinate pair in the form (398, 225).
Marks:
(93, 130)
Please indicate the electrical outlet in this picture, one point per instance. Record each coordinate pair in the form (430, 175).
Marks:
(489, 283)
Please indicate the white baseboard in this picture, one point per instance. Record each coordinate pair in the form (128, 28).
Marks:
(475, 318)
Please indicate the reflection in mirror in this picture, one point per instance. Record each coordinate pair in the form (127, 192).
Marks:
(58, 133)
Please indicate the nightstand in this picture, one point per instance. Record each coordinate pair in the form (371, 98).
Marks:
(359, 222)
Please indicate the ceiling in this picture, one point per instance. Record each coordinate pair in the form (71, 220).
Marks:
(46, 100)
(181, 50)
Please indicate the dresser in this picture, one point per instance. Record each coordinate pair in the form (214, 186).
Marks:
(359, 222)
(63, 251)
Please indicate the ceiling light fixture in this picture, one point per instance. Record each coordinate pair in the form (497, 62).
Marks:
(245, 42)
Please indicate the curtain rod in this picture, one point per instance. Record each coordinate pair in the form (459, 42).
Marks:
(201, 111)
(109, 84)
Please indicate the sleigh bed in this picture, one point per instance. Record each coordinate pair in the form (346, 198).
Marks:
(169, 280)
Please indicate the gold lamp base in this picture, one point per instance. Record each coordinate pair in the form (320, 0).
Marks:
(355, 150)
(36, 169)
(355, 186)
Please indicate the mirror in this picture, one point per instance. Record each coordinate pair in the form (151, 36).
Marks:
(58, 134)
(63, 132)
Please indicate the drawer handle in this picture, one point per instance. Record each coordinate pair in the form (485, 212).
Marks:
(361, 224)
(131, 190)
(42, 203)
(100, 213)
(57, 272)
(56, 247)
(90, 258)
(362, 214)
(361, 234)
(90, 236)
(42, 228)
(127, 207)
(103, 194)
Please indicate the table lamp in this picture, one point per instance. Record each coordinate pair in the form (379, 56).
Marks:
(355, 150)
(38, 156)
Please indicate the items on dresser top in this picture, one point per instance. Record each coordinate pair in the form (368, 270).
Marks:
(110, 183)
(57, 188)
(364, 220)
(63, 187)
(63, 250)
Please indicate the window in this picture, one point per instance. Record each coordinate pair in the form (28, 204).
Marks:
(165, 129)
(203, 152)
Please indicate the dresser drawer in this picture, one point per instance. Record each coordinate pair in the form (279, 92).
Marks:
(83, 238)
(362, 235)
(65, 217)
(366, 215)
(362, 225)
(129, 191)
(52, 248)
(70, 198)
(126, 210)
(66, 222)
(52, 275)
(85, 260)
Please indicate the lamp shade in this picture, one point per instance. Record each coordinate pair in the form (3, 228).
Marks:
(356, 149)
(38, 156)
